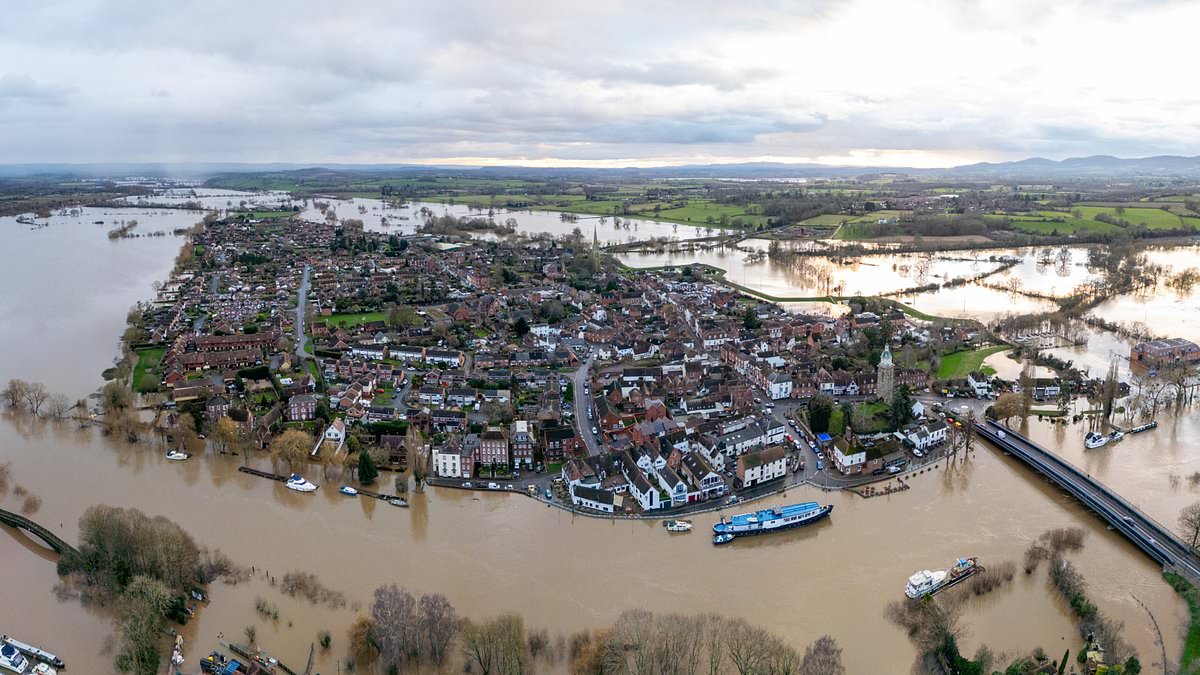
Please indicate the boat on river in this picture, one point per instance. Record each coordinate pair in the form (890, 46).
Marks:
(396, 501)
(772, 520)
(678, 525)
(33, 652)
(348, 491)
(723, 538)
(1153, 424)
(177, 456)
(925, 582)
(1095, 440)
(11, 659)
(300, 484)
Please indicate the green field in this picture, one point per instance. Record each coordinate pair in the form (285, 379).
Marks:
(959, 364)
(146, 375)
(1155, 219)
(345, 320)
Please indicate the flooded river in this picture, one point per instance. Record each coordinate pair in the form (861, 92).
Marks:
(492, 553)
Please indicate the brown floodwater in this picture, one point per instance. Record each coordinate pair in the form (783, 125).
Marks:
(492, 553)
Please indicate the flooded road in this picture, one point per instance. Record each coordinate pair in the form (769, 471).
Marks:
(492, 553)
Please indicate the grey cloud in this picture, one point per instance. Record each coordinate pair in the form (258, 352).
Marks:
(25, 90)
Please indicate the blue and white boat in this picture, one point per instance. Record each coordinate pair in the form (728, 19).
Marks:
(772, 520)
(348, 491)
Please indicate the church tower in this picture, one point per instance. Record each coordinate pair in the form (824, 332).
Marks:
(885, 379)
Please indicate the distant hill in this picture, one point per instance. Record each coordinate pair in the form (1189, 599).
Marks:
(1032, 169)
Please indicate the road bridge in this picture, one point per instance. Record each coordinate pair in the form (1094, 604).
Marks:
(1156, 541)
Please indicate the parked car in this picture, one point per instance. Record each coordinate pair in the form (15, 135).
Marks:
(549, 494)
(595, 431)
(493, 486)
(467, 484)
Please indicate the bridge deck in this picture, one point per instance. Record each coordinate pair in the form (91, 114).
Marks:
(21, 522)
(1156, 541)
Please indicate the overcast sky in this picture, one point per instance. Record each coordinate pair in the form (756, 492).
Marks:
(609, 82)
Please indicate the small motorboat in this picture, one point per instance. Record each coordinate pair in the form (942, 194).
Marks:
(723, 538)
(349, 491)
(300, 484)
(1094, 440)
(177, 456)
(678, 525)
(396, 501)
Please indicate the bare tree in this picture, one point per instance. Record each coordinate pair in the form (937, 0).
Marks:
(823, 657)
(14, 393)
(496, 646)
(59, 406)
(395, 633)
(1189, 522)
(438, 626)
(35, 397)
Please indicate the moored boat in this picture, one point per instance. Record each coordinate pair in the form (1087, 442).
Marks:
(678, 525)
(396, 501)
(1094, 440)
(12, 659)
(927, 582)
(1153, 424)
(300, 484)
(723, 538)
(33, 652)
(772, 520)
(177, 456)
(347, 490)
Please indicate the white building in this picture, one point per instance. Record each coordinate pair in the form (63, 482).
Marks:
(779, 386)
(979, 385)
(761, 466)
(446, 462)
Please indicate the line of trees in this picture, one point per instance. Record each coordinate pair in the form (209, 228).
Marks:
(403, 631)
(33, 398)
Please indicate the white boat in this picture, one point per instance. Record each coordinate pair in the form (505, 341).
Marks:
(35, 653)
(300, 484)
(924, 582)
(678, 525)
(177, 456)
(13, 660)
(396, 501)
(1094, 440)
(347, 490)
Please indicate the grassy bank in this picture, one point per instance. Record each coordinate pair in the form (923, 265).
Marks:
(959, 364)
(1191, 644)
(146, 375)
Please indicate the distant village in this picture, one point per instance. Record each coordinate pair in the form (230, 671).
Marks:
(539, 365)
